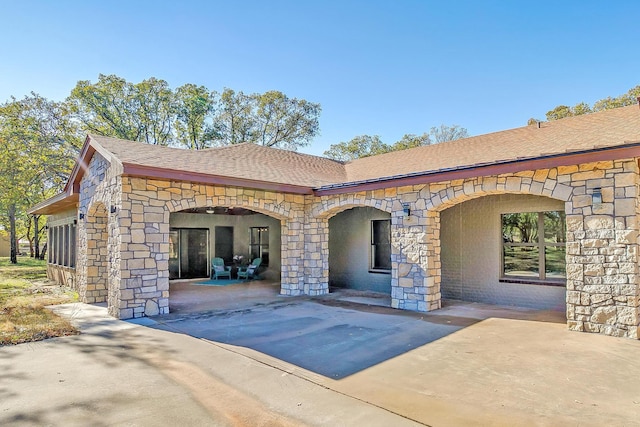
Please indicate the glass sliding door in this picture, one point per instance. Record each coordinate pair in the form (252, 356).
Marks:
(174, 254)
(188, 253)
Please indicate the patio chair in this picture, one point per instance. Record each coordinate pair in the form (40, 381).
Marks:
(219, 270)
(250, 271)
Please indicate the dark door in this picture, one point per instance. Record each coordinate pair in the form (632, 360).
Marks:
(224, 244)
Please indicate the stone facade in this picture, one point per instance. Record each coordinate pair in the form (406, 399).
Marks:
(123, 238)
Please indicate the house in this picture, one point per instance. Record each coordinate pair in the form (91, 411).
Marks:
(5, 244)
(542, 216)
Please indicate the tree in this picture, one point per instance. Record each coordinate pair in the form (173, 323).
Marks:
(285, 122)
(411, 141)
(271, 119)
(195, 106)
(191, 116)
(156, 112)
(629, 98)
(114, 107)
(37, 146)
(365, 145)
(235, 118)
(106, 107)
(444, 133)
(360, 146)
(581, 108)
(562, 111)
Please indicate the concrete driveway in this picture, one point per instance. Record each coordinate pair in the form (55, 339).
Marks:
(303, 361)
(334, 336)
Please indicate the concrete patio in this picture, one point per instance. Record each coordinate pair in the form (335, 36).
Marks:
(485, 365)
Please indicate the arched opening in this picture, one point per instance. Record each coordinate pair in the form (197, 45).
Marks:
(97, 266)
(360, 250)
(235, 234)
(506, 249)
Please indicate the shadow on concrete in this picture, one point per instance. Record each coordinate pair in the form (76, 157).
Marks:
(332, 336)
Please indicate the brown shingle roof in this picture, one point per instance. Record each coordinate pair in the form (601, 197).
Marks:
(243, 161)
(597, 130)
(257, 163)
(269, 168)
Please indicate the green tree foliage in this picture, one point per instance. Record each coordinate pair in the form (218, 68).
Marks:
(114, 107)
(192, 116)
(285, 122)
(155, 111)
(271, 119)
(562, 111)
(360, 146)
(37, 147)
(411, 141)
(520, 227)
(365, 145)
(629, 98)
(444, 133)
(195, 106)
(235, 119)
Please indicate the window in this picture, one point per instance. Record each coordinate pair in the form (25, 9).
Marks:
(259, 244)
(61, 245)
(381, 245)
(534, 246)
(72, 245)
(65, 245)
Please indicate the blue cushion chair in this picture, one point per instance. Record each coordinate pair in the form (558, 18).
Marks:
(219, 270)
(250, 271)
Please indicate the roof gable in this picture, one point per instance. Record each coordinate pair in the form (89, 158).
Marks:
(246, 162)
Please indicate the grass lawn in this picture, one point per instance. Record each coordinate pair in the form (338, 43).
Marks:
(24, 291)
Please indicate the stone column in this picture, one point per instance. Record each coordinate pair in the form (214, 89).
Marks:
(316, 256)
(415, 259)
(114, 248)
(95, 273)
(292, 265)
(144, 251)
(602, 253)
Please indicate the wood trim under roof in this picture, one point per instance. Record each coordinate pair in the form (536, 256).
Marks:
(57, 203)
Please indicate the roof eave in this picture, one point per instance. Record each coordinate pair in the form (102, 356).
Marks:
(58, 203)
(471, 171)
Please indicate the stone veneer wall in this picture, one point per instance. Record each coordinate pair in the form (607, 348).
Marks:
(98, 266)
(602, 258)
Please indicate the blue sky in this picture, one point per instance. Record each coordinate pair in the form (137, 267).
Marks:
(377, 67)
